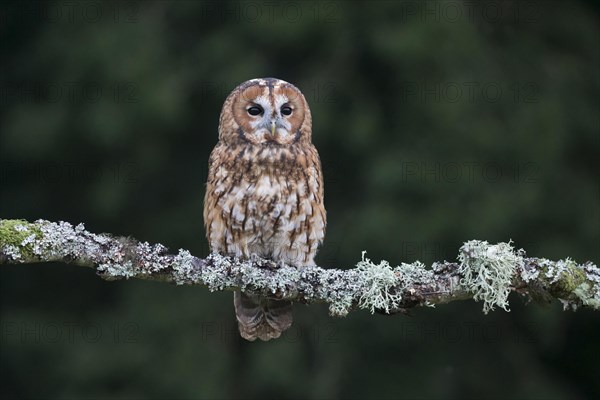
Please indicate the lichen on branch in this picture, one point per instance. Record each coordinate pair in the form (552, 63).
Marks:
(483, 272)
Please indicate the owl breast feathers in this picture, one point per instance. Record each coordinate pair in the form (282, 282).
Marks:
(264, 193)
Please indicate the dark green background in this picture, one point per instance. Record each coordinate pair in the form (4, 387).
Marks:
(109, 112)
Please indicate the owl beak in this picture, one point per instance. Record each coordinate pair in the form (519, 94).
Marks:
(272, 128)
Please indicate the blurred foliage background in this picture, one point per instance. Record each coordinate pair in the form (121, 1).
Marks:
(437, 122)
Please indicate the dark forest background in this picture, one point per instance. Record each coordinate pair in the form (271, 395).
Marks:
(436, 121)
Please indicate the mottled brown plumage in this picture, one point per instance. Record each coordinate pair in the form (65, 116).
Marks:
(264, 194)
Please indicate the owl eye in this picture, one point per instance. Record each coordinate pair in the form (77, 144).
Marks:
(286, 110)
(255, 110)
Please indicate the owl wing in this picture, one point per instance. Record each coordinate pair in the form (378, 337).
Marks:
(218, 183)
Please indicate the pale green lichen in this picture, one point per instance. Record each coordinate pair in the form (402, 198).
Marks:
(588, 291)
(487, 272)
(378, 279)
(573, 284)
(588, 295)
(117, 270)
(372, 286)
(339, 289)
(59, 240)
(12, 252)
(281, 280)
(529, 272)
(564, 275)
(224, 273)
(415, 272)
(184, 271)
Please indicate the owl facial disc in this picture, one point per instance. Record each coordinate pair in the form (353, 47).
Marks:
(269, 111)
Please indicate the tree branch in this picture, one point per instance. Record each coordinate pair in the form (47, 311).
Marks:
(482, 272)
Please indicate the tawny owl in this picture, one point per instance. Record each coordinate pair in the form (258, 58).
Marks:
(264, 194)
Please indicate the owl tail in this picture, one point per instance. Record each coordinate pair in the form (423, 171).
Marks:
(261, 318)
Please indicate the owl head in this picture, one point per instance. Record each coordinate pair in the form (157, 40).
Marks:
(265, 111)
